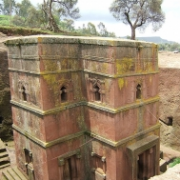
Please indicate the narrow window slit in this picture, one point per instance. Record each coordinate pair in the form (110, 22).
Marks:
(24, 95)
(138, 91)
(63, 94)
(27, 156)
(97, 93)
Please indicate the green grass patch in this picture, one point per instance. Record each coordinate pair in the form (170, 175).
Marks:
(5, 20)
(25, 31)
(174, 162)
(11, 30)
(7, 27)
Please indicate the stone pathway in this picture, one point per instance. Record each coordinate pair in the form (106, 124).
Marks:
(171, 174)
(11, 151)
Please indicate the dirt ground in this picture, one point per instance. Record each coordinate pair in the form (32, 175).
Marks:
(169, 60)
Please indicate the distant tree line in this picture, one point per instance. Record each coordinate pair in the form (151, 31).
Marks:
(169, 47)
(53, 15)
(58, 15)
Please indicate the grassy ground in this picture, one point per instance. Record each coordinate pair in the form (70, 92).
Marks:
(9, 31)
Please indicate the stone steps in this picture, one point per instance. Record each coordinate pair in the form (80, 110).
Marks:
(4, 157)
(3, 154)
(12, 174)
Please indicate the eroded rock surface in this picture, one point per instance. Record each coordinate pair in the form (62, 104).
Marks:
(169, 91)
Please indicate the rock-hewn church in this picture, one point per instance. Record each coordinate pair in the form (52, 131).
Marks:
(84, 108)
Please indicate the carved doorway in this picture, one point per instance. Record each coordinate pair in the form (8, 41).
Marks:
(144, 158)
(70, 169)
(70, 166)
(99, 166)
(29, 165)
(145, 164)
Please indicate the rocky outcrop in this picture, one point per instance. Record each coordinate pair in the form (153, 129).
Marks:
(169, 91)
(5, 109)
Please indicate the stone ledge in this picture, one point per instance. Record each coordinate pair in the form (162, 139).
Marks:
(115, 76)
(84, 103)
(81, 133)
(50, 143)
(53, 39)
(38, 73)
(125, 140)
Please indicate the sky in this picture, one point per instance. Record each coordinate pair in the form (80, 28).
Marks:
(96, 11)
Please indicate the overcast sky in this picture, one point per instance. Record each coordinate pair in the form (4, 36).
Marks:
(96, 11)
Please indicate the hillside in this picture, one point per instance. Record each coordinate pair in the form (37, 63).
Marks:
(155, 39)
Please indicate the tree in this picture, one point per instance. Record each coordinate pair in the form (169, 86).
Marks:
(69, 24)
(91, 29)
(22, 8)
(34, 18)
(64, 7)
(7, 7)
(102, 30)
(138, 13)
(1, 7)
(18, 21)
(23, 13)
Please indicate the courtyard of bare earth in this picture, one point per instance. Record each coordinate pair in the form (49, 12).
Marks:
(169, 59)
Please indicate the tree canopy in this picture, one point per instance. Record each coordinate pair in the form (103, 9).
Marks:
(138, 13)
(53, 15)
(64, 8)
(7, 6)
(22, 8)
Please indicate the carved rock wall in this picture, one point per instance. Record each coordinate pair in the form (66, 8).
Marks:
(5, 109)
(169, 91)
